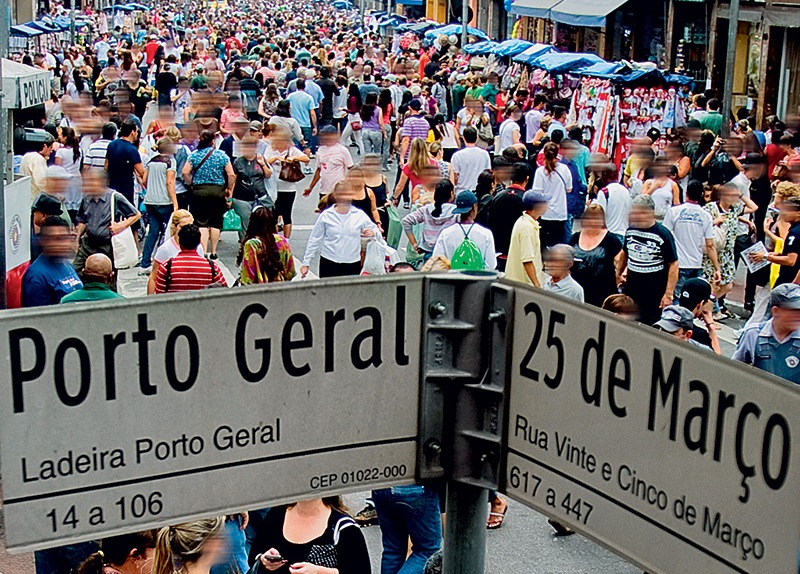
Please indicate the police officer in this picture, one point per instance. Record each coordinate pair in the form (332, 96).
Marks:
(774, 346)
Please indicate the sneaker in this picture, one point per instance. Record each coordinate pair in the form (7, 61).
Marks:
(406, 205)
(146, 270)
(367, 517)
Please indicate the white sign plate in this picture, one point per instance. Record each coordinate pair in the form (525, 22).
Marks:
(668, 455)
(123, 416)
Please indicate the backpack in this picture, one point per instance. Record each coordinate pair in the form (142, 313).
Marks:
(576, 199)
(467, 256)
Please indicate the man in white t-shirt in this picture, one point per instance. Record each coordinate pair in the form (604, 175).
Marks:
(451, 238)
(533, 119)
(614, 198)
(469, 162)
(693, 230)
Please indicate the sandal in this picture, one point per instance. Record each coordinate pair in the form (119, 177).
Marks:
(560, 529)
(496, 519)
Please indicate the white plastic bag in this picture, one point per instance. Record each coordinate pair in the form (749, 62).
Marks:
(375, 259)
(123, 244)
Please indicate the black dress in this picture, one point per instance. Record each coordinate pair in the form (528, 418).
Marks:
(341, 546)
(594, 269)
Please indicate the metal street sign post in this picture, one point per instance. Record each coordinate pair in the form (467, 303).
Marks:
(670, 456)
(120, 417)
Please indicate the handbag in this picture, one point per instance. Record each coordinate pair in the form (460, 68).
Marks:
(485, 131)
(355, 122)
(188, 181)
(291, 171)
(123, 244)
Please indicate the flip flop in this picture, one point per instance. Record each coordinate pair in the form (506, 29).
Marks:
(560, 529)
(495, 525)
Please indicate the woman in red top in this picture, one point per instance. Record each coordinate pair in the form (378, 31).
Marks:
(387, 109)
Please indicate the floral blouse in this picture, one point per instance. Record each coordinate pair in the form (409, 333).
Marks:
(251, 272)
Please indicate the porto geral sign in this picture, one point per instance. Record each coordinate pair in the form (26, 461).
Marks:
(669, 455)
(122, 416)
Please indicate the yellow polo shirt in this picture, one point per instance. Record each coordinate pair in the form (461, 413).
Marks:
(525, 247)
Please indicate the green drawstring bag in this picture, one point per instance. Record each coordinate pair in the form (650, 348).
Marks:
(231, 221)
(395, 228)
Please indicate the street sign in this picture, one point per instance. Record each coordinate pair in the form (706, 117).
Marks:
(122, 416)
(670, 456)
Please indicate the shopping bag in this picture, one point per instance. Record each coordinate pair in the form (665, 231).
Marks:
(374, 259)
(231, 221)
(395, 230)
(123, 244)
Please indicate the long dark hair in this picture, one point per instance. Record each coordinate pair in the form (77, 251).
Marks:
(262, 227)
(71, 140)
(441, 195)
(368, 109)
(385, 99)
(354, 92)
(550, 157)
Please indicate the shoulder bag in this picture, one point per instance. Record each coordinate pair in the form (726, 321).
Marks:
(291, 171)
(123, 244)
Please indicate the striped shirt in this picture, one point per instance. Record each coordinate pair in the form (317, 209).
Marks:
(415, 127)
(96, 155)
(188, 271)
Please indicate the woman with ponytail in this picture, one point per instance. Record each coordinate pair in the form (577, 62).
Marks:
(434, 217)
(190, 548)
(554, 181)
(124, 554)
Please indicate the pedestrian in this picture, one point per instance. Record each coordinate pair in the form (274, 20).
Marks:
(596, 252)
(194, 547)
(124, 553)
(524, 262)
(187, 270)
(210, 173)
(337, 236)
(264, 255)
(467, 245)
(788, 259)
(353, 127)
(662, 188)
(558, 261)
(509, 130)
(284, 160)
(315, 535)
(123, 161)
(371, 125)
(648, 265)
(774, 345)
(413, 171)
(70, 157)
(282, 118)
(103, 213)
(98, 274)
(433, 218)
(34, 164)
(695, 295)
(51, 276)
(170, 248)
(249, 190)
(693, 230)
(333, 162)
(678, 322)
(303, 109)
(469, 162)
(554, 181)
(96, 155)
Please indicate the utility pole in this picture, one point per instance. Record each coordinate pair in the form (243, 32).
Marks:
(464, 17)
(72, 22)
(730, 63)
(6, 175)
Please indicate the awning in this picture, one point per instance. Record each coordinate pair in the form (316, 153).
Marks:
(44, 26)
(480, 48)
(584, 12)
(25, 31)
(533, 8)
(450, 29)
(24, 86)
(534, 52)
(560, 62)
(511, 47)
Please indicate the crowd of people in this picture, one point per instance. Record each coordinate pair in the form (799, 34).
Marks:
(162, 132)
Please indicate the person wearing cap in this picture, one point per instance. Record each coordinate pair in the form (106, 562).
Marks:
(524, 262)
(333, 162)
(789, 258)
(467, 209)
(679, 323)
(98, 274)
(44, 206)
(774, 345)
(51, 275)
(648, 264)
(696, 296)
(257, 132)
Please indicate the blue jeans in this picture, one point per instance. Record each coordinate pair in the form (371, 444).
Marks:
(311, 140)
(235, 560)
(683, 276)
(159, 220)
(403, 512)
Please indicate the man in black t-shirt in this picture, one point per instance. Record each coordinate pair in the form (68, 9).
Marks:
(649, 261)
(329, 91)
(789, 259)
(505, 208)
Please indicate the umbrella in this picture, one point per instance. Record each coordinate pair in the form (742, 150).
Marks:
(25, 31)
(44, 26)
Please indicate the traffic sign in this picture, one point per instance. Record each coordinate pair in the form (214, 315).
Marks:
(122, 416)
(672, 457)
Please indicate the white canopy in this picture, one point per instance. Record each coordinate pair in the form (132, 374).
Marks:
(24, 86)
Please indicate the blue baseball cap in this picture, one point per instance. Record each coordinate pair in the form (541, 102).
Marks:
(465, 201)
(532, 198)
